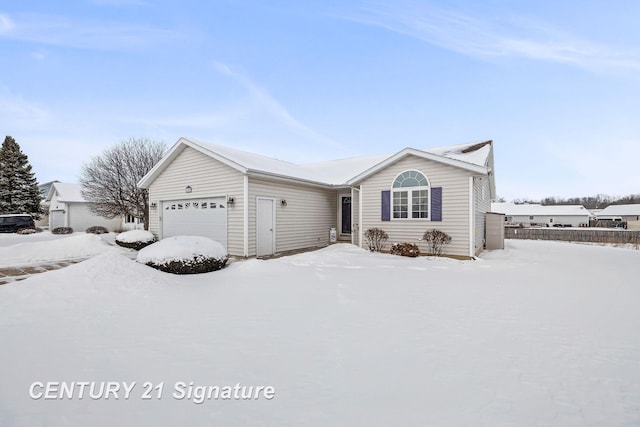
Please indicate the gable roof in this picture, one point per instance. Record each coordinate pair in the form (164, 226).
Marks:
(530, 209)
(619, 210)
(44, 188)
(67, 193)
(342, 172)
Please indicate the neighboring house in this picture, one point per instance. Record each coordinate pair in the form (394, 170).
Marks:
(44, 191)
(67, 208)
(531, 214)
(620, 212)
(131, 223)
(259, 206)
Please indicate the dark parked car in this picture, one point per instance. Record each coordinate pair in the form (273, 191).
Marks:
(13, 223)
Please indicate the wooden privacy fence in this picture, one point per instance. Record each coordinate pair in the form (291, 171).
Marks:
(574, 235)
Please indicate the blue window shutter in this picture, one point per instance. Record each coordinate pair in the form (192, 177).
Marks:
(436, 203)
(386, 205)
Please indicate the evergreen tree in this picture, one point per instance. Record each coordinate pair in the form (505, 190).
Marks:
(18, 185)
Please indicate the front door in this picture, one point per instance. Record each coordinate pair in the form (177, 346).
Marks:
(265, 227)
(345, 204)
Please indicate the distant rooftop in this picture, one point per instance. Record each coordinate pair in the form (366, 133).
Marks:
(66, 192)
(619, 210)
(538, 209)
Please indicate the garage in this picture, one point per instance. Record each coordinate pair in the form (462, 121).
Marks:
(196, 217)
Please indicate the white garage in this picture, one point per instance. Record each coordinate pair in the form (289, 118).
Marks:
(196, 217)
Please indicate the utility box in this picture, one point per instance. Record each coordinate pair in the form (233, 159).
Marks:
(494, 231)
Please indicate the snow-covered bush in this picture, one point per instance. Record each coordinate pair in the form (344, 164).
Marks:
(28, 230)
(135, 239)
(184, 255)
(376, 238)
(436, 240)
(62, 230)
(405, 249)
(97, 229)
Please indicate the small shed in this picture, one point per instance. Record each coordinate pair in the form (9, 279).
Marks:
(494, 228)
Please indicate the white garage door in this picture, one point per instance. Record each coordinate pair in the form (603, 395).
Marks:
(196, 217)
(56, 219)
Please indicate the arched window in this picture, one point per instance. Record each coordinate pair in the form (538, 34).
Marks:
(410, 196)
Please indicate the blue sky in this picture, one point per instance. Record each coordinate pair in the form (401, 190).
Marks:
(555, 85)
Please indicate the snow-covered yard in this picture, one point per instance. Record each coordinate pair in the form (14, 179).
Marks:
(541, 334)
(20, 250)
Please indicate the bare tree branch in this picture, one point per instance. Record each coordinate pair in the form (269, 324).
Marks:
(109, 181)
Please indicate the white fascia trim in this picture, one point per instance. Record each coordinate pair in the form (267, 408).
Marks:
(422, 154)
(51, 192)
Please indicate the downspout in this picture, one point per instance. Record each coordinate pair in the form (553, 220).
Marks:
(471, 220)
(245, 215)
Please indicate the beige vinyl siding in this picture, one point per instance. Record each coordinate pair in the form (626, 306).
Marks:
(305, 221)
(208, 178)
(455, 204)
(482, 205)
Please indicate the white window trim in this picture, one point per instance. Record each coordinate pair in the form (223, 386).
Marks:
(410, 191)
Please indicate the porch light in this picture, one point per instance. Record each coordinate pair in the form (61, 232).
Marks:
(188, 189)
(154, 205)
(283, 203)
(231, 201)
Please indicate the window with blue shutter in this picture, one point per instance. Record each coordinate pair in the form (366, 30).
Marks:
(386, 205)
(436, 203)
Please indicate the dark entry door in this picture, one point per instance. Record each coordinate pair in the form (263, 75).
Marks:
(346, 214)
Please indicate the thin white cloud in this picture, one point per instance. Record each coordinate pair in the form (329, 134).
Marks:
(605, 167)
(275, 108)
(490, 37)
(62, 31)
(120, 2)
(20, 113)
(198, 120)
(6, 24)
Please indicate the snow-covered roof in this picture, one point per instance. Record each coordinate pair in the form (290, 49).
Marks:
(619, 210)
(67, 193)
(475, 157)
(537, 209)
(475, 153)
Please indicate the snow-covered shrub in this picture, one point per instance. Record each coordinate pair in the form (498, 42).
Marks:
(28, 230)
(135, 239)
(436, 240)
(376, 238)
(405, 249)
(97, 229)
(184, 255)
(62, 230)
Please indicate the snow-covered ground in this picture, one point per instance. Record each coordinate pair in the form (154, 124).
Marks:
(541, 334)
(20, 250)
